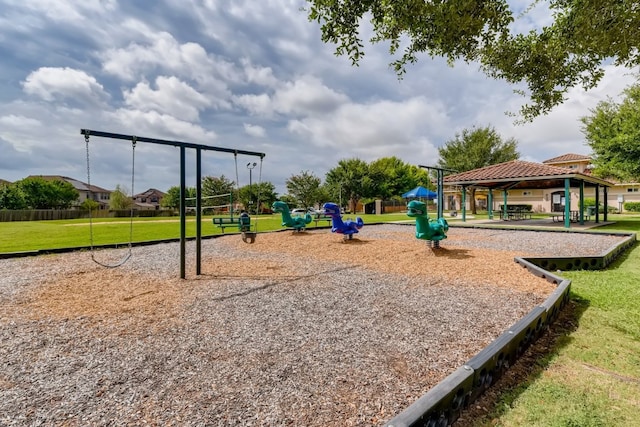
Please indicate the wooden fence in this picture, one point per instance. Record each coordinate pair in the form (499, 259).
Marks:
(7, 215)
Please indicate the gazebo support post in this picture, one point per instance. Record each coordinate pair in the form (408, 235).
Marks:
(504, 204)
(606, 204)
(597, 204)
(567, 203)
(490, 203)
(464, 203)
(581, 203)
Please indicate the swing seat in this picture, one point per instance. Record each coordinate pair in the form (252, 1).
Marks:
(249, 236)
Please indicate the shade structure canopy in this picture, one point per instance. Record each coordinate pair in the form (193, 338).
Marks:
(420, 192)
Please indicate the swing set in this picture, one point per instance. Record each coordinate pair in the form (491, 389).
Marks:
(183, 206)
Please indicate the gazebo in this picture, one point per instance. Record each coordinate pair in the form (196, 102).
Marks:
(523, 175)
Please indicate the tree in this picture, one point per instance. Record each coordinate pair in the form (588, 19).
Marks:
(568, 52)
(476, 148)
(89, 204)
(391, 177)
(264, 193)
(351, 177)
(288, 199)
(40, 193)
(172, 199)
(64, 194)
(613, 133)
(213, 186)
(12, 197)
(304, 188)
(119, 200)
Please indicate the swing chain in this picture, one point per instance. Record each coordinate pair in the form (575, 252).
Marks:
(90, 191)
(90, 196)
(134, 140)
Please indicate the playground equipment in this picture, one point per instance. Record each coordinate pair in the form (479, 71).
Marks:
(183, 187)
(348, 227)
(242, 223)
(426, 229)
(298, 222)
(90, 195)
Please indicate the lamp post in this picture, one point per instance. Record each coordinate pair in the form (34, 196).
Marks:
(250, 166)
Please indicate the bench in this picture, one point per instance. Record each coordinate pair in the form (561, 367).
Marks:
(319, 218)
(242, 223)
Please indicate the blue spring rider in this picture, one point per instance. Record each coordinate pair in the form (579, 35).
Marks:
(426, 229)
(348, 227)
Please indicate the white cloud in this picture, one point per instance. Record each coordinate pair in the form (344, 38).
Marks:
(163, 126)
(256, 104)
(262, 76)
(307, 95)
(65, 83)
(254, 130)
(15, 122)
(376, 130)
(173, 97)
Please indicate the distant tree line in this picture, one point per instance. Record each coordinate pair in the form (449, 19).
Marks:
(353, 180)
(37, 193)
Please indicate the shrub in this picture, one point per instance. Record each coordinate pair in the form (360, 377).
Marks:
(632, 206)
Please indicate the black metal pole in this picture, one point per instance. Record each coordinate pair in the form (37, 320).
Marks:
(198, 211)
(183, 217)
(167, 142)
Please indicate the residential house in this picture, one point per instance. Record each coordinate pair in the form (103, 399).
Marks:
(85, 191)
(619, 193)
(149, 200)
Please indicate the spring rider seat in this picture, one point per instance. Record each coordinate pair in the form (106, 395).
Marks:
(426, 229)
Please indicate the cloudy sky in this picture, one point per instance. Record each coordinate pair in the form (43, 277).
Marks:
(250, 75)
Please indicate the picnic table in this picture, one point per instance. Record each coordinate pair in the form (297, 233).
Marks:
(574, 216)
(515, 214)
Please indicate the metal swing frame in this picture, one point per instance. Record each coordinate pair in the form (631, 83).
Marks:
(183, 221)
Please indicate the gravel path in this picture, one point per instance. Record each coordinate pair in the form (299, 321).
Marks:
(296, 329)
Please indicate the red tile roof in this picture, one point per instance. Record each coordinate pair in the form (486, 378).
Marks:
(509, 170)
(518, 174)
(570, 157)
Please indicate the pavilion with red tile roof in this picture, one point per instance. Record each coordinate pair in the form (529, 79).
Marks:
(519, 174)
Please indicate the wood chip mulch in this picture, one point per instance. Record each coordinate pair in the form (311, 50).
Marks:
(295, 329)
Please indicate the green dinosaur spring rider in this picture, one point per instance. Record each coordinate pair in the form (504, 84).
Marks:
(431, 230)
(298, 223)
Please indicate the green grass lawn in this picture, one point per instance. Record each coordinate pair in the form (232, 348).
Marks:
(591, 375)
(42, 235)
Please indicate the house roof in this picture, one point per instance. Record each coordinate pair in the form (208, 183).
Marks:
(569, 157)
(78, 185)
(519, 174)
(150, 192)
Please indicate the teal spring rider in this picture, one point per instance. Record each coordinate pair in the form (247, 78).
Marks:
(426, 229)
(298, 222)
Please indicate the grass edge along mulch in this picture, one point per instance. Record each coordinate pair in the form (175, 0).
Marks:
(585, 371)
